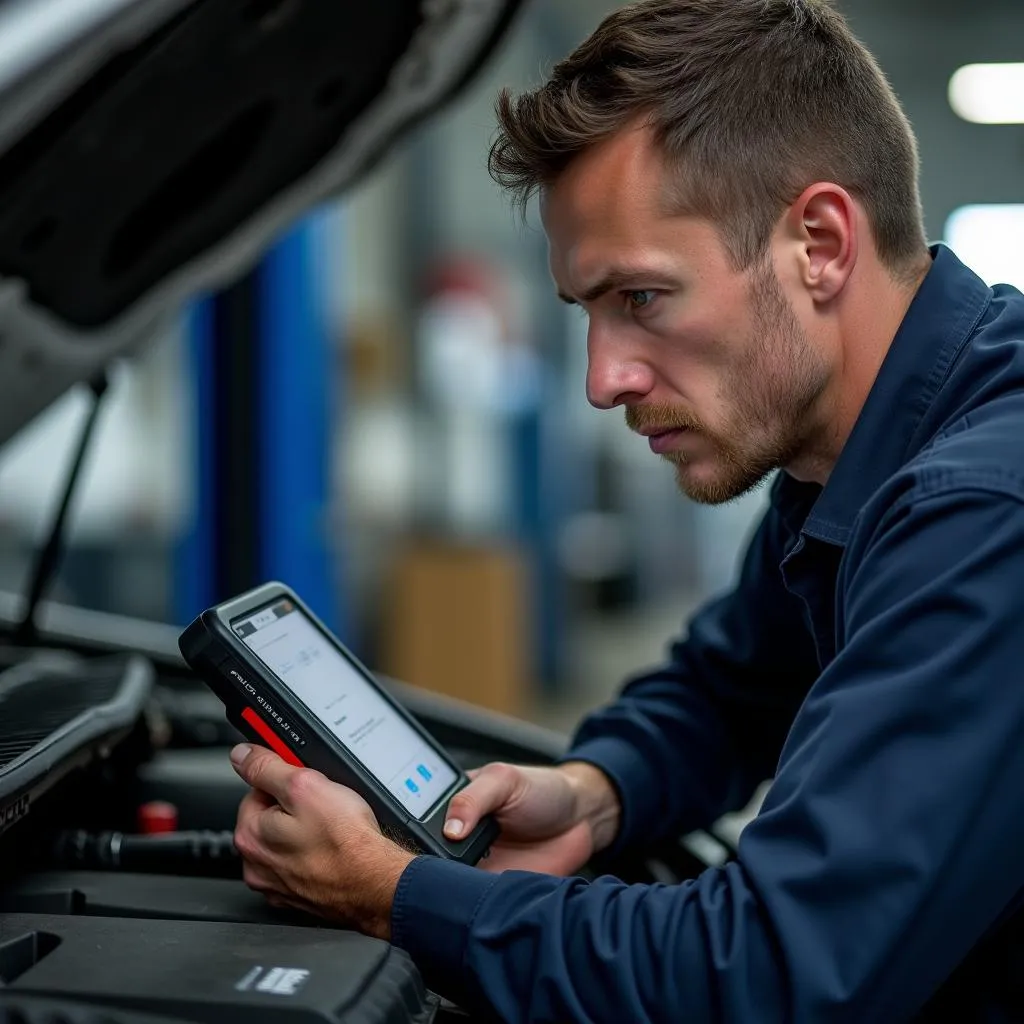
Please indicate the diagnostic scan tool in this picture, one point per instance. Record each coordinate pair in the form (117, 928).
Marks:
(289, 685)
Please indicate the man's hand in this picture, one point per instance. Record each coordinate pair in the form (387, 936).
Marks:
(552, 819)
(313, 845)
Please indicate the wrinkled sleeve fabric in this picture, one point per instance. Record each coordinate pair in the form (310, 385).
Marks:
(692, 740)
(888, 844)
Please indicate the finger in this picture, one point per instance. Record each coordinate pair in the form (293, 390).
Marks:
(292, 907)
(261, 879)
(264, 770)
(285, 903)
(263, 800)
(261, 832)
(534, 861)
(246, 838)
(492, 787)
(257, 830)
(563, 856)
(252, 805)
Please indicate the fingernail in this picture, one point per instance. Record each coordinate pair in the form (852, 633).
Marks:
(240, 753)
(454, 827)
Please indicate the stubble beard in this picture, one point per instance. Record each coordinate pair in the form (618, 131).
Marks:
(771, 396)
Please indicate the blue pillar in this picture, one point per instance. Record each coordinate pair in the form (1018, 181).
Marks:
(298, 404)
(265, 397)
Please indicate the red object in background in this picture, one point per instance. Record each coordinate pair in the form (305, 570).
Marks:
(156, 817)
(472, 276)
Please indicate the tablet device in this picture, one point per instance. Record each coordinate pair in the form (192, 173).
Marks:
(288, 684)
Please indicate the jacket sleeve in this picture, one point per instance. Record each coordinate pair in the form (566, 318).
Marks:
(888, 844)
(692, 740)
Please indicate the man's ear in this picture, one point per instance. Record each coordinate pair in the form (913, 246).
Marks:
(822, 224)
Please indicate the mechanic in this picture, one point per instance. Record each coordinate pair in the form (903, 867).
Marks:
(729, 191)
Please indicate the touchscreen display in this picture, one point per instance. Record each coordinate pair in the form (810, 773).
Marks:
(298, 653)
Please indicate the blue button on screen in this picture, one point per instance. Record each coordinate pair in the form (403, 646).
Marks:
(412, 786)
(424, 771)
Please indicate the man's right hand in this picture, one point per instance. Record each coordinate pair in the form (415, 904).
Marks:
(553, 820)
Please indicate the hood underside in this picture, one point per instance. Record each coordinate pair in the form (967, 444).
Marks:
(153, 149)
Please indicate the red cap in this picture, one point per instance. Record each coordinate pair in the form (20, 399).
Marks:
(156, 817)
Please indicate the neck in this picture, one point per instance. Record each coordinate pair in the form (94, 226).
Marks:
(872, 309)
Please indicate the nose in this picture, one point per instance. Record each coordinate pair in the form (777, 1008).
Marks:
(616, 375)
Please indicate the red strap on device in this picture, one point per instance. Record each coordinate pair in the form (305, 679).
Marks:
(271, 738)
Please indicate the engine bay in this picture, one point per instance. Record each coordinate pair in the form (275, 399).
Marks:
(121, 888)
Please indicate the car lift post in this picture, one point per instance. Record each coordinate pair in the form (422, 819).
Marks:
(266, 392)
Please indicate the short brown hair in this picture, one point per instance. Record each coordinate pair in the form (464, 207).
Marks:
(753, 100)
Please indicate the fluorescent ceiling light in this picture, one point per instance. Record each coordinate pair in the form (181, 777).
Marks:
(989, 93)
(988, 239)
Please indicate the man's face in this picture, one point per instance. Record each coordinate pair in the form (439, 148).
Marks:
(711, 363)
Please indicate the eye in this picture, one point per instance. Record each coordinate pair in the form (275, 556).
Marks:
(637, 300)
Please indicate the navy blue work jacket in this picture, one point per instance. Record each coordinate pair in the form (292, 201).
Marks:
(871, 660)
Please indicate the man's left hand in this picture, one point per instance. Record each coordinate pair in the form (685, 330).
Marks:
(310, 844)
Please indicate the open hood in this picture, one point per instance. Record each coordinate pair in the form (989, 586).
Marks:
(151, 149)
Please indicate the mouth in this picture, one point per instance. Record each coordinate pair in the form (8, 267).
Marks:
(662, 441)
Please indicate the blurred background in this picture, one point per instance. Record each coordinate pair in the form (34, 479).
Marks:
(430, 476)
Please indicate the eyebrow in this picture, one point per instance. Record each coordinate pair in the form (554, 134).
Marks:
(614, 279)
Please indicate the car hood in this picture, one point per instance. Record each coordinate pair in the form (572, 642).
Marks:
(152, 149)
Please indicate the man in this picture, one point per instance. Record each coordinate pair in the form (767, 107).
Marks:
(729, 190)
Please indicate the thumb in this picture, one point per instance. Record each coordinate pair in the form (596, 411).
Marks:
(265, 771)
(491, 788)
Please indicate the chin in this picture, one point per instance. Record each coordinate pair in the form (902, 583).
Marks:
(711, 488)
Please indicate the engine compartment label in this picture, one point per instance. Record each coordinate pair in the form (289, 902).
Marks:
(276, 981)
(14, 811)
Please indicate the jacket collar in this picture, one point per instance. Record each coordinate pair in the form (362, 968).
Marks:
(941, 319)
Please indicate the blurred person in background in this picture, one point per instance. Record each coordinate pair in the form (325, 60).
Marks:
(730, 192)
